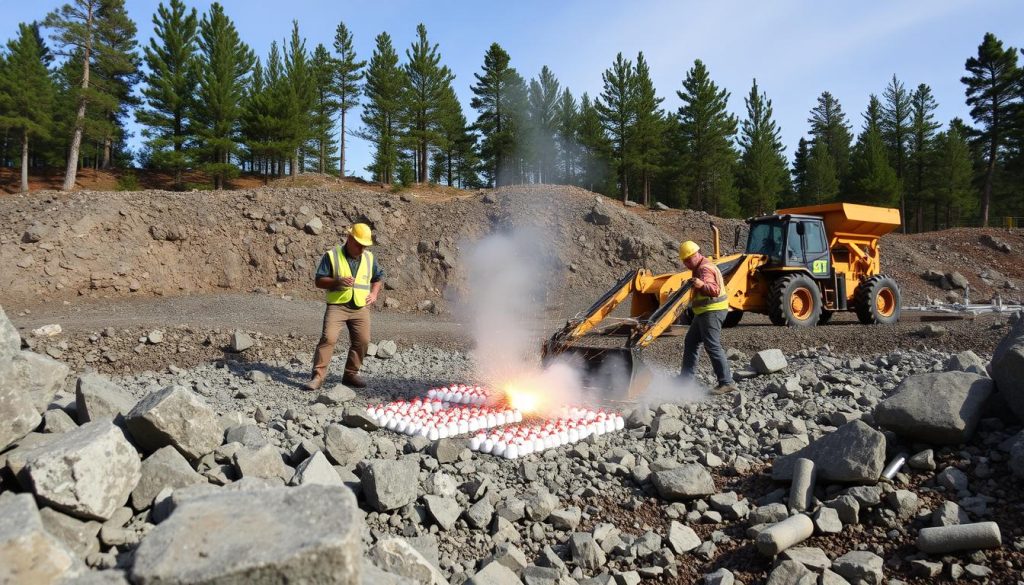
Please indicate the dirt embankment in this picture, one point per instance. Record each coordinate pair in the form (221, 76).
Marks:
(61, 246)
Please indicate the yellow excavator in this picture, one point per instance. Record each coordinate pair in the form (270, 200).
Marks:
(800, 267)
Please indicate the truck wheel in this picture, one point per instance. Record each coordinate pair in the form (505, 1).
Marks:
(825, 317)
(877, 300)
(795, 301)
(732, 318)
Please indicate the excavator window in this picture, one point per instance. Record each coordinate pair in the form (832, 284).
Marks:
(765, 238)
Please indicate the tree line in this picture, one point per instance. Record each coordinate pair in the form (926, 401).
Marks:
(206, 101)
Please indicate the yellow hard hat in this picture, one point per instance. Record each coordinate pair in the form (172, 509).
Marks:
(362, 234)
(687, 249)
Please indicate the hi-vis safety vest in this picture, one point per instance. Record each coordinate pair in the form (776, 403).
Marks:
(701, 303)
(358, 292)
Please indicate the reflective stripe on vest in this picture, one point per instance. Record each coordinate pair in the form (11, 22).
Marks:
(701, 303)
(358, 292)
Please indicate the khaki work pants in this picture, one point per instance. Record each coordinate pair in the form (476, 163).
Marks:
(358, 323)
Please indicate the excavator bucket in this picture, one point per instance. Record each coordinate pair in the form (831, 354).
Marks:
(616, 373)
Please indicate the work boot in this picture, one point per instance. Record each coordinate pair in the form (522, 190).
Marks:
(724, 389)
(353, 381)
(313, 384)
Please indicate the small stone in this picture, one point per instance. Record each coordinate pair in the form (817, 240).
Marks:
(155, 337)
(386, 350)
(768, 361)
(444, 510)
(389, 485)
(684, 482)
(826, 521)
(682, 538)
(240, 341)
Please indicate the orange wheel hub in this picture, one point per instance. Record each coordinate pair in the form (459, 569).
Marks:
(801, 303)
(885, 302)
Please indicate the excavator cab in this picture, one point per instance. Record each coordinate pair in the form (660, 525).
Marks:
(791, 241)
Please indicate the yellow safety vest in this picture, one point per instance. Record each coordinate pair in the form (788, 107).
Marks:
(358, 292)
(701, 303)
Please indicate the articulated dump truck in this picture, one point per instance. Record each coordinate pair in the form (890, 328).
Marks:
(800, 267)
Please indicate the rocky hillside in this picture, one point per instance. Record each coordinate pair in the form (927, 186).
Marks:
(111, 244)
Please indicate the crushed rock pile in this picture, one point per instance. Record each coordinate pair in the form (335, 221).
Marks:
(228, 472)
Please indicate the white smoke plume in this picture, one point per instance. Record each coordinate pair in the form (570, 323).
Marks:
(509, 277)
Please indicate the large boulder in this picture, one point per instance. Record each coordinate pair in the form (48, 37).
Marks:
(175, 416)
(97, 398)
(81, 536)
(853, 453)
(38, 376)
(18, 414)
(1008, 369)
(88, 472)
(390, 484)
(29, 554)
(1016, 447)
(683, 482)
(937, 408)
(166, 468)
(308, 534)
(10, 339)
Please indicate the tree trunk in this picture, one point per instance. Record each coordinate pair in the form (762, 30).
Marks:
(24, 161)
(986, 197)
(108, 145)
(341, 153)
(76, 134)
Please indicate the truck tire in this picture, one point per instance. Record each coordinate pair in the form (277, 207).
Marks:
(877, 301)
(795, 301)
(732, 319)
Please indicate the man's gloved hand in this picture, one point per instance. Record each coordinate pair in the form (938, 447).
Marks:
(697, 283)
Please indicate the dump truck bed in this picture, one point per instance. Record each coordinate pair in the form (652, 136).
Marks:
(851, 218)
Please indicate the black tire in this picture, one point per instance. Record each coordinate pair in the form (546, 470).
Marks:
(877, 301)
(783, 303)
(825, 317)
(732, 319)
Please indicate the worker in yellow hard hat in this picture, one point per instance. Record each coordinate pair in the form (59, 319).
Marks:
(709, 301)
(352, 278)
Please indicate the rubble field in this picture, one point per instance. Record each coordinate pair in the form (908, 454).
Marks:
(160, 435)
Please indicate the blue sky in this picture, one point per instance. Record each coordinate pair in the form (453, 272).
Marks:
(795, 48)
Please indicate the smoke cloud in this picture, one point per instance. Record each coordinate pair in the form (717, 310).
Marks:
(510, 275)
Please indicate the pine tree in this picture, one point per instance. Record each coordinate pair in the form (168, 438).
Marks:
(257, 123)
(618, 115)
(100, 36)
(321, 143)
(895, 127)
(454, 157)
(543, 94)
(992, 95)
(567, 120)
(595, 147)
(428, 81)
(822, 181)
(648, 128)
(500, 99)
(952, 176)
(762, 172)
(171, 60)
(922, 134)
(26, 94)
(828, 124)
(347, 87)
(116, 75)
(707, 131)
(385, 95)
(224, 65)
(799, 172)
(872, 178)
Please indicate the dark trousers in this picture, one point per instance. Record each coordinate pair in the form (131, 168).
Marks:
(357, 322)
(706, 328)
